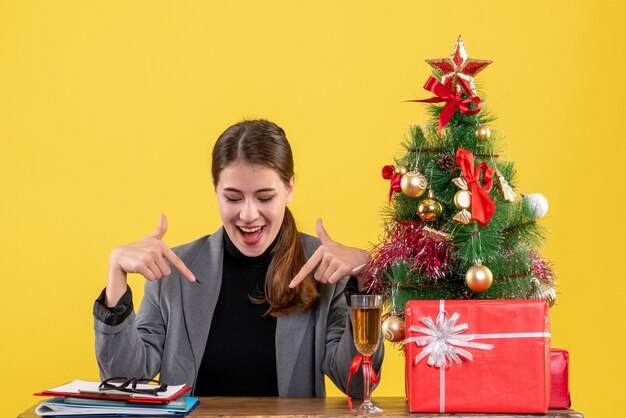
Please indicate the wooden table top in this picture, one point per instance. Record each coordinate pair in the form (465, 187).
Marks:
(318, 407)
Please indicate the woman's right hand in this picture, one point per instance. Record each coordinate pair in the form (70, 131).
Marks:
(145, 257)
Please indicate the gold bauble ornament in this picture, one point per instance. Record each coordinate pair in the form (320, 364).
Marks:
(463, 199)
(483, 133)
(478, 278)
(413, 184)
(402, 170)
(429, 209)
(393, 329)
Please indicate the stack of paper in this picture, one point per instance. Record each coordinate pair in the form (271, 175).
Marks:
(85, 398)
(57, 407)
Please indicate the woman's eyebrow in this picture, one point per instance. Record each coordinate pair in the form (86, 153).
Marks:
(265, 189)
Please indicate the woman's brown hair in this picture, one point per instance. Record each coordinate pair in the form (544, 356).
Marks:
(264, 143)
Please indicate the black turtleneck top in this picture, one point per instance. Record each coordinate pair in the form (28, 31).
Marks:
(240, 354)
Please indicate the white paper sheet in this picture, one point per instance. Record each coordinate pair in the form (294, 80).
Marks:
(81, 385)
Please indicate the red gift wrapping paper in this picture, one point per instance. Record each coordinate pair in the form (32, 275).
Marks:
(559, 388)
(511, 376)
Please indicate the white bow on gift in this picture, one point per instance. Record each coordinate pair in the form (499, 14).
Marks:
(443, 340)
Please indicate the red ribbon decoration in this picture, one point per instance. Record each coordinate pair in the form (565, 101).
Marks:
(389, 173)
(354, 367)
(453, 101)
(483, 206)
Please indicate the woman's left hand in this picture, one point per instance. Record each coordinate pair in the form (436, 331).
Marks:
(332, 261)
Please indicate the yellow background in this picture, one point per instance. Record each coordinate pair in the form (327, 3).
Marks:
(108, 111)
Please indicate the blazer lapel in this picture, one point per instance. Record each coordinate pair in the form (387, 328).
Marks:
(201, 298)
(290, 330)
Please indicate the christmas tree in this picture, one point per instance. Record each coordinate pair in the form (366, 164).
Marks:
(455, 226)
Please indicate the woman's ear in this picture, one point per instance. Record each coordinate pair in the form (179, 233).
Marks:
(290, 188)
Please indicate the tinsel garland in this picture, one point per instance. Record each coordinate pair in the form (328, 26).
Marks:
(541, 268)
(429, 256)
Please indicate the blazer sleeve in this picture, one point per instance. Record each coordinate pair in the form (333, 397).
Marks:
(340, 349)
(134, 347)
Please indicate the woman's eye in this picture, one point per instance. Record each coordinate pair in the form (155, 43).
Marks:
(266, 199)
(232, 199)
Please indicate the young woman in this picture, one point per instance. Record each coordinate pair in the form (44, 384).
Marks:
(254, 309)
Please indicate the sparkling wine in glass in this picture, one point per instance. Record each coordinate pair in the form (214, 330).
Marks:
(366, 330)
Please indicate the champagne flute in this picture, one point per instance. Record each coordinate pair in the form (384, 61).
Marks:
(366, 331)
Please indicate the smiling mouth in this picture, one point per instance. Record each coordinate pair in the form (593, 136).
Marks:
(249, 230)
(251, 235)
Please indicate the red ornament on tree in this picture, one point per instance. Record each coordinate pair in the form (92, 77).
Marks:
(459, 67)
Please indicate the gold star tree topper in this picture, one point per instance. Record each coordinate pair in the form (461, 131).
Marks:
(458, 71)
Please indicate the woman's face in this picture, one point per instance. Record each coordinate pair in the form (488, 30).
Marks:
(251, 200)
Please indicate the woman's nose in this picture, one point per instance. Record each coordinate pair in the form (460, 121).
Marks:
(249, 212)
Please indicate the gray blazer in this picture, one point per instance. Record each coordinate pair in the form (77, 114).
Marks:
(169, 333)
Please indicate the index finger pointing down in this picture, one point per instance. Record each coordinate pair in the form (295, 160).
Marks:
(307, 268)
(178, 263)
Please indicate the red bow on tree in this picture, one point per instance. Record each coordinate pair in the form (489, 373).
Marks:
(483, 205)
(453, 101)
(389, 173)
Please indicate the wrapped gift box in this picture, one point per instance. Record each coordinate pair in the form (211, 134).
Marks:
(559, 388)
(477, 356)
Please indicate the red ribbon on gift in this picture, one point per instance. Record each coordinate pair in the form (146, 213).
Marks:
(389, 173)
(483, 206)
(453, 101)
(354, 367)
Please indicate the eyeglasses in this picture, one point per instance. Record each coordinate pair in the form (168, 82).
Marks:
(129, 384)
